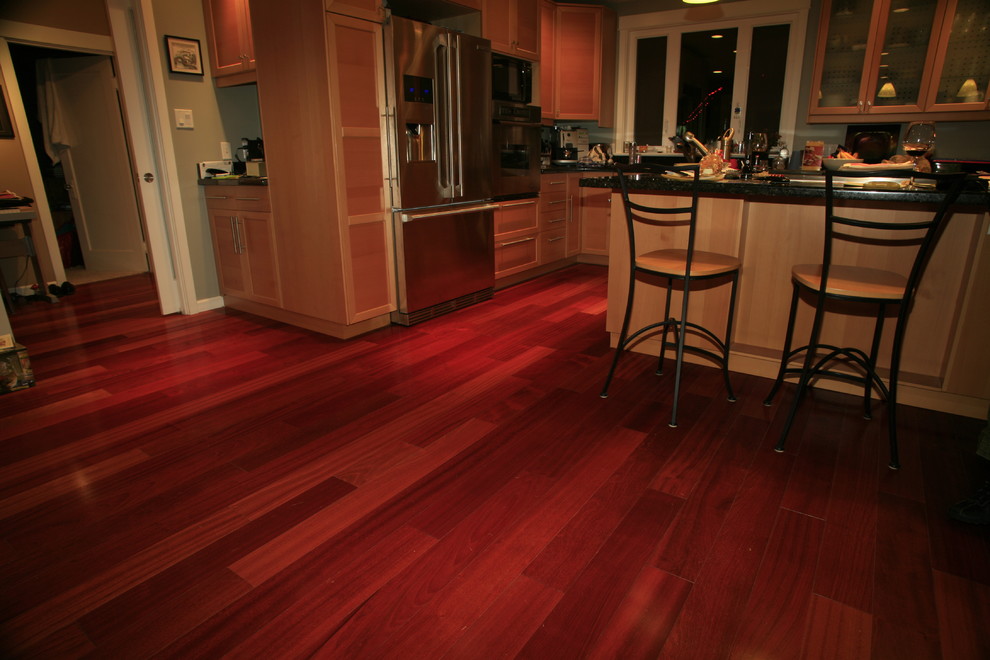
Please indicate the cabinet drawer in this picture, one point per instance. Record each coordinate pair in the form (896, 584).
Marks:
(556, 219)
(553, 182)
(241, 198)
(555, 201)
(516, 216)
(517, 254)
(553, 245)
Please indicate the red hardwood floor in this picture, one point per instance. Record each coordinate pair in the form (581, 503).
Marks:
(220, 485)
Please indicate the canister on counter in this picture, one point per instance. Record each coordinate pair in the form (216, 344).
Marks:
(814, 151)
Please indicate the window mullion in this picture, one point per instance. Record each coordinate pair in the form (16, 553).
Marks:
(740, 86)
(672, 81)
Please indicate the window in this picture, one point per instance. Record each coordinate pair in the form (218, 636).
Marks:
(740, 71)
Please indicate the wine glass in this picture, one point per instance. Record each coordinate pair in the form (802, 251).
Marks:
(758, 151)
(919, 140)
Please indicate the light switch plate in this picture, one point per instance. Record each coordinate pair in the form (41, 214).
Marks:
(225, 151)
(183, 118)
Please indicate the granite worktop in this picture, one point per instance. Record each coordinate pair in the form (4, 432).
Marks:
(237, 181)
(804, 186)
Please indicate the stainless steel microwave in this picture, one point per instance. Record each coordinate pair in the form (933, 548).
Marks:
(512, 79)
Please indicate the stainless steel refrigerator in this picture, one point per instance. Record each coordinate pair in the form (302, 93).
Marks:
(439, 108)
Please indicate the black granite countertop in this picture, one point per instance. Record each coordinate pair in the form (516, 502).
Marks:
(807, 187)
(239, 181)
(579, 167)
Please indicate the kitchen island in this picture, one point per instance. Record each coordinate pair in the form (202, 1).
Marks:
(771, 227)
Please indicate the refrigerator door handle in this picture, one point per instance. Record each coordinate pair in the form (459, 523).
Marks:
(457, 161)
(444, 117)
(413, 217)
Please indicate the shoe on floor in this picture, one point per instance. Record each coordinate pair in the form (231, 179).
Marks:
(974, 510)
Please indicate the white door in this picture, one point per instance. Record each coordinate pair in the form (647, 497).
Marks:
(97, 165)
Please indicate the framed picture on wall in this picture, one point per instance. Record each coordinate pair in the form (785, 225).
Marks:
(184, 55)
(6, 127)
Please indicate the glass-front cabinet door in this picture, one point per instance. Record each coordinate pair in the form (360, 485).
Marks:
(874, 56)
(844, 45)
(900, 75)
(962, 70)
(894, 59)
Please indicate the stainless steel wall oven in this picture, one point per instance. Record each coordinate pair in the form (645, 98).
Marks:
(515, 149)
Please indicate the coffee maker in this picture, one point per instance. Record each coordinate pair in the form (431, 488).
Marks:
(573, 142)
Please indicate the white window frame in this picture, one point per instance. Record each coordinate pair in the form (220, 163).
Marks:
(743, 16)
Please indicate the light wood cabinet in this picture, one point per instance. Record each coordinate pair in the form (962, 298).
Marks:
(593, 208)
(369, 10)
(229, 42)
(878, 60)
(321, 96)
(548, 19)
(513, 27)
(244, 243)
(583, 64)
(517, 233)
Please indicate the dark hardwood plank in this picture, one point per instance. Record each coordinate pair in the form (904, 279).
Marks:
(773, 624)
(963, 611)
(904, 614)
(725, 581)
(644, 619)
(837, 631)
(589, 604)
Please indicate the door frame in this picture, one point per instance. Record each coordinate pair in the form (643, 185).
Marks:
(133, 46)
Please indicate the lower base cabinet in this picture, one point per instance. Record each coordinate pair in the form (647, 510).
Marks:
(593, 209)
(244, 242)
(517, 232)
(566, 223)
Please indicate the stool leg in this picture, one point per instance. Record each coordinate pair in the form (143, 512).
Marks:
(681, 326)
(622, 333)
(895, 367)
(785, 357)
(871, 373)
(728, 336)
(667, 321)
(807, 371)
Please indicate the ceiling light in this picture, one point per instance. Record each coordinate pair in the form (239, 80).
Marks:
(717, 36)
(968, 91)
(697, 2)
(887, 91)
(901, 10)
(717, 71)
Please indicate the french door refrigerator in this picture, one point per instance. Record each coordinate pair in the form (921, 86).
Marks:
(439, 110)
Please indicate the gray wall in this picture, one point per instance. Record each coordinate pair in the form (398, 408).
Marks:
(219, 115)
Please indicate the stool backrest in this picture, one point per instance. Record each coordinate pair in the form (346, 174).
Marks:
(922, 234)
(643, 213)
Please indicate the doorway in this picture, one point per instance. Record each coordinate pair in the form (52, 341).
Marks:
(82, 153)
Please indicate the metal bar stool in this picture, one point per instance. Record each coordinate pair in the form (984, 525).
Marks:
(830, 281)
(683, 264)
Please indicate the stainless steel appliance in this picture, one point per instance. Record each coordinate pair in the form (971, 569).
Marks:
(515, 149)
(512, 79)
(439, 104)
(576, 139)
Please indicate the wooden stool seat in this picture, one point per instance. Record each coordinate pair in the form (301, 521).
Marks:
(853, 281)
(674, 262)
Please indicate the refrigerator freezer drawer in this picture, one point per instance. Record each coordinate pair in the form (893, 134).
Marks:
(443, 255)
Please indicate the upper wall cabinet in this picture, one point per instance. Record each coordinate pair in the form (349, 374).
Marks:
(548, 19)
(228, 37)
(513, 27)
(370, 10)
(891, 60)
(583, 63)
